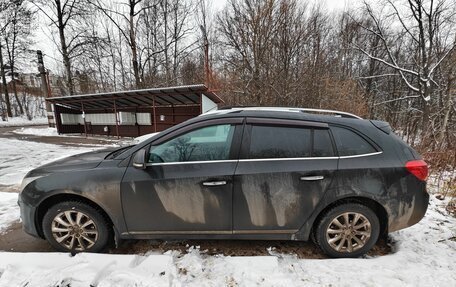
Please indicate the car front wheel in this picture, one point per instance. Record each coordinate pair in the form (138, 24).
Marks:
(74, 226)
(347, 230)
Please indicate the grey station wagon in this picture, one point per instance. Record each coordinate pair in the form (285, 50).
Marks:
(236, 173)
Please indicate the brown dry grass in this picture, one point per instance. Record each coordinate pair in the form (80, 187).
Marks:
(442, 168)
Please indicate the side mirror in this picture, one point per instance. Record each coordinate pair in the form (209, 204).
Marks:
(139, 161)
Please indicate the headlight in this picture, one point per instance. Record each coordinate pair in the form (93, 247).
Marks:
(28, 180)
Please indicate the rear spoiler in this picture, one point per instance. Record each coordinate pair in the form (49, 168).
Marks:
(383, 126)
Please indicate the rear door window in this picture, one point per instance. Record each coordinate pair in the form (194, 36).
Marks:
(280, 142)
(322, 144)
(350, 143)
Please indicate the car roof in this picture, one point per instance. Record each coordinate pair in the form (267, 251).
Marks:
(286, 109)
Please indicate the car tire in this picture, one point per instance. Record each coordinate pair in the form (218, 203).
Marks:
(340, 239)
(73, 226)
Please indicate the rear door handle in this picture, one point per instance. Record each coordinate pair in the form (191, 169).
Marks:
(214, 183)
(312, 177)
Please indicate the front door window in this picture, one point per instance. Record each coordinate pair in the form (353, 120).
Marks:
(204, 144)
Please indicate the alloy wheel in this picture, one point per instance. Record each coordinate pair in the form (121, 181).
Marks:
(74, 230)
(348, 232)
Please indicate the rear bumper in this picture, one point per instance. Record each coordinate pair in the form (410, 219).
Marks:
(28, 218)
(409, 213)
(421, 205)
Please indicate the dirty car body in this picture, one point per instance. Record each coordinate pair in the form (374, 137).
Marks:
(240, 174)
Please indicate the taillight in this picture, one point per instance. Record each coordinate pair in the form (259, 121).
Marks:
(418, 168)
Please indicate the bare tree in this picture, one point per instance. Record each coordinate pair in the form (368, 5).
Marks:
(66, 16)
(129, 33)
(4, 7)
(17, 38)
(422, 25)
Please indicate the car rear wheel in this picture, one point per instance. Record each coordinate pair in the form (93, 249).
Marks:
(74, 226)
(348, 230)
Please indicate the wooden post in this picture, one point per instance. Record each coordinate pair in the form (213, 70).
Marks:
(174, 114)
(57, 119)
(84, 119)
(117, 119)
(155, 118)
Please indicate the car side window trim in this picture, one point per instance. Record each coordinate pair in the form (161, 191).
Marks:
(192, 162)
(266, 159)
(286, 159)
(311, 158)
(360, 155)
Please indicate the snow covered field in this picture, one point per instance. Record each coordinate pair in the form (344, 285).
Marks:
(18, 157)
(424, 255)
(44, 132)
(19, 121)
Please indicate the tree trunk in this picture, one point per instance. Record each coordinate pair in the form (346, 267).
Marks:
(21, 109)
(63, 45)
(426, 92)
(133, 45)
(447, 111)
(5, 87)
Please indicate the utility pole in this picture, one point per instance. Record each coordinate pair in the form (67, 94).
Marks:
(45, 89)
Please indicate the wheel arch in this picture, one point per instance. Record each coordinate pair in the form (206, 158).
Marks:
(52, 200)
(374, 205)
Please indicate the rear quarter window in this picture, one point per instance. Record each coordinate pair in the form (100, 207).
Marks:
(350, 143)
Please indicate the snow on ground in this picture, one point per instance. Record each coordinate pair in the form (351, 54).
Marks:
(44, 132)
(424, 256)
(9, 210)
(18, 157)
(20, 121)
(59, 269)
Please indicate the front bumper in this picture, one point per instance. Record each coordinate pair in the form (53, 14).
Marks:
(28, 218)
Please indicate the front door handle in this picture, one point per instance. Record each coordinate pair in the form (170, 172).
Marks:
(312, 177)
(214, 183)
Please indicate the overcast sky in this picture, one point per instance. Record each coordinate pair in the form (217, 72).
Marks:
(52, 56)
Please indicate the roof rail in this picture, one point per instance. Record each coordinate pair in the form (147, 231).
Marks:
(338, 113)
(287, 109)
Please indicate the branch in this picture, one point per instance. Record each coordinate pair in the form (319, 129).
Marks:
(69, 13)
(395, 100)
(377, 76)
(46, 14)
(399, 69)
(440, 61)
(114, 21)
(403, 24)
(394, 64)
